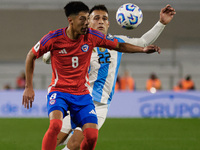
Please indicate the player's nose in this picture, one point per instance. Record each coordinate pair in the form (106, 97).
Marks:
(101, 21)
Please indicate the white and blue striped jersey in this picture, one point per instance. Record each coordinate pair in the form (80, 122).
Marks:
(104, 67)
(105, 63)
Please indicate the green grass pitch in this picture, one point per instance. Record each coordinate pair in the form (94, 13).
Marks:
(116, 134)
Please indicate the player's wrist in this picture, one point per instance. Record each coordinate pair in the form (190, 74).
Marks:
(161, 23)
(28, 86)
(144, 50)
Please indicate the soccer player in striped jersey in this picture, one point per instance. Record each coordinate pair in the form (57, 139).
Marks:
(71, 49)
(104, 67)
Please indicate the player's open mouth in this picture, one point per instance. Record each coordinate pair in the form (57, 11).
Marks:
(100, 28)
(84, 29)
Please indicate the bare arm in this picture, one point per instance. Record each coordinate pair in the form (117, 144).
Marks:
(28, 95)
(129, 48)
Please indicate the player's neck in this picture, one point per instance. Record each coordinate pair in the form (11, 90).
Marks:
(71, 34)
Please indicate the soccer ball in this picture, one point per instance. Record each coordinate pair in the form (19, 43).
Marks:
(129, 16)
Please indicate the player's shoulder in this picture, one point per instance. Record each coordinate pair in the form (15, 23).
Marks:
(96, 33)
(53, 35)
(122, 38)
(56, 32)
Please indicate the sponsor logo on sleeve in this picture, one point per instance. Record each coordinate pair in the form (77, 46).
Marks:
(37, 46)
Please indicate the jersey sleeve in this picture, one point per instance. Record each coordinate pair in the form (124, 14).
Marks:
(100, 40)
(43, 46)
(148, 38)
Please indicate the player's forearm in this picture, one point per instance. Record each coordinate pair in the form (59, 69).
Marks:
(129, 48)
(151, 36)
(30, 61)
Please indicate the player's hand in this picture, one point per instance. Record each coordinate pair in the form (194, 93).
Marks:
(28, 97)
(166, 14)
(152, 49)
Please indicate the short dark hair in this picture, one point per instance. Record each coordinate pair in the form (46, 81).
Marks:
(98, 7)
(73, 8)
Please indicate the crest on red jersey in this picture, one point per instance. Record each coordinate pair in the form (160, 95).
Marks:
(85, 48)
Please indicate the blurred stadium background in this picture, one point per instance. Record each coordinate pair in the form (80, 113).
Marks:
(24, 22)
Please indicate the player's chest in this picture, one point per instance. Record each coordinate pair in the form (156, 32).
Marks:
(103, 56)
(79, 49)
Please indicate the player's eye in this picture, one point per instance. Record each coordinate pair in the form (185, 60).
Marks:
(96, 18)
(82, 18)
(105, 18)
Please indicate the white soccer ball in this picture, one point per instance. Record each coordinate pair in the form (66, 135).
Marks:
(129, 16)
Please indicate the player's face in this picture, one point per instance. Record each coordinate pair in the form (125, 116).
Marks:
(80, 23)
(99, 21)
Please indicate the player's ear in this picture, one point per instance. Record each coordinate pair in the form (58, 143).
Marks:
(70, 20)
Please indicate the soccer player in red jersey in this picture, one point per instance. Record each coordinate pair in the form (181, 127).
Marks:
(71, 49)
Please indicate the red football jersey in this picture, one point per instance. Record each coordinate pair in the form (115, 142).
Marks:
(70, 59)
